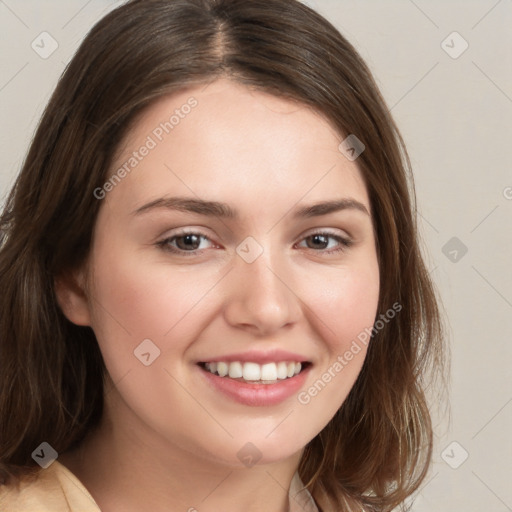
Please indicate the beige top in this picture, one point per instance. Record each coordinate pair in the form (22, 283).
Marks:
(56, 489)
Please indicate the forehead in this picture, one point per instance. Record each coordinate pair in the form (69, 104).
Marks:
(214, 140)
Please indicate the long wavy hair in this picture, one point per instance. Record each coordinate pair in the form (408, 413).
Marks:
(376, 450)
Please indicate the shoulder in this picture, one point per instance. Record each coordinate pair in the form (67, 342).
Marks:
(54, 489)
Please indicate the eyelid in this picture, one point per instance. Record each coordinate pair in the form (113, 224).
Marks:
(327, 231)
(174, 233)
(164, 242)
(345, 241)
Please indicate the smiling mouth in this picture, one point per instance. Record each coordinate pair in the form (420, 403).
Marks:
(254, 373)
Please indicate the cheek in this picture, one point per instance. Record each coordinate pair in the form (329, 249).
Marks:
(345, 301)
(345, 310)
(134, 300)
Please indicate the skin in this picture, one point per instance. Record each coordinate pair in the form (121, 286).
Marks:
(167, 440)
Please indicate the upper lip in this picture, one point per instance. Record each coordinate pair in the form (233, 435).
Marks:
(257, 356)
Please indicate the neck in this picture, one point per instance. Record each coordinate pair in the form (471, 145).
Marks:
(131, 469)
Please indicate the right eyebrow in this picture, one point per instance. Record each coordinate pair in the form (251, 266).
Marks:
(185, 204)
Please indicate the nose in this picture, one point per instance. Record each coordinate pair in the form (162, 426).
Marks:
(261, 296)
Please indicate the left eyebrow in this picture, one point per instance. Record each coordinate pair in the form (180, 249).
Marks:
(326, 207)
(223, 210)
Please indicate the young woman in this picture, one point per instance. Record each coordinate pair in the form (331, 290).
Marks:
(213, 296)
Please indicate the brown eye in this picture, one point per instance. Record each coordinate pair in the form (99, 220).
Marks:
(318, 241)
(186, 244)
(326, 242)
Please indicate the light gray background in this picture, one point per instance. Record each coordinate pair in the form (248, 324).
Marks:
(455, 116)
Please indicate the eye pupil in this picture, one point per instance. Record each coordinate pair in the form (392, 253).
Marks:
(191, 242)
(321, 239)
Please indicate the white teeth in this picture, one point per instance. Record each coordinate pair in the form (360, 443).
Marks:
(282, 370)
(235, 370)
(252, 371)
(222, 369)
(267, 373)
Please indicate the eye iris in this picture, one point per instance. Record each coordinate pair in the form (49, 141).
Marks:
(321, 239)
(191, 242)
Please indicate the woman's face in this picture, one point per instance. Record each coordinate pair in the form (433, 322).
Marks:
(238, 232)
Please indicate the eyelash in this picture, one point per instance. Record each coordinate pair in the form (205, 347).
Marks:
(344, 243)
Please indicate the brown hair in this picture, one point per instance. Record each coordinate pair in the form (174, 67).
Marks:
(377, 448)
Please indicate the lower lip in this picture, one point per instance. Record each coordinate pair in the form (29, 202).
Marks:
(257, 394)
